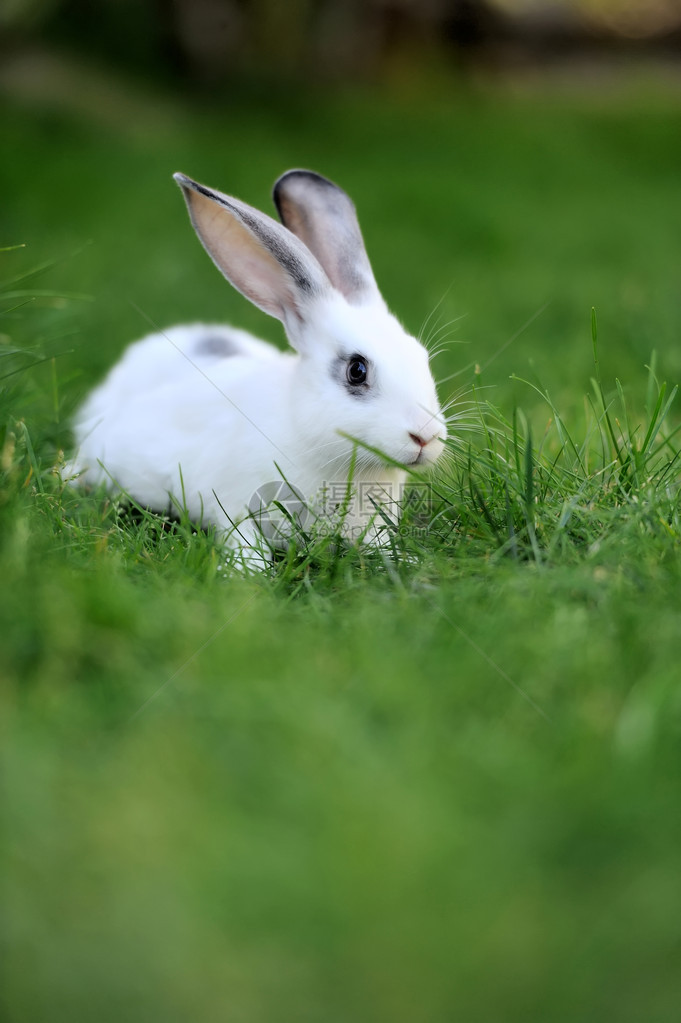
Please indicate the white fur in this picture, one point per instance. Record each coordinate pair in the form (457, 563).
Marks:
(173, 423)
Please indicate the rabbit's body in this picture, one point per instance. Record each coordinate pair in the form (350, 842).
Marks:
(146, 429)
(206, 416)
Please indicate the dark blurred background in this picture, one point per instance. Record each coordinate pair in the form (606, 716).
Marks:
(204, 43)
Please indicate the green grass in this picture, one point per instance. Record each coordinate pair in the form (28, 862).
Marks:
(436, 786)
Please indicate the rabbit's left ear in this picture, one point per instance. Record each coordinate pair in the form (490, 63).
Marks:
(264, 261)
(323, 216)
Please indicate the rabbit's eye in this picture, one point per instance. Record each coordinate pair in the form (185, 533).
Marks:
(356, 371)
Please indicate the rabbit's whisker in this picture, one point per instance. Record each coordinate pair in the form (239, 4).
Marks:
(440, 333)
(434, 310)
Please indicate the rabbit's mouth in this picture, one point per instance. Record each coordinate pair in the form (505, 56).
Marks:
(428, 454)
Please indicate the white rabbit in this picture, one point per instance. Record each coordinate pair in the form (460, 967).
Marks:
(207, 417)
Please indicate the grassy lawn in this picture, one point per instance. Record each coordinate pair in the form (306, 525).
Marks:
(424, 788)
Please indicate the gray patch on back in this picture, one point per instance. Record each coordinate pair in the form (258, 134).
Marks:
(216, 345)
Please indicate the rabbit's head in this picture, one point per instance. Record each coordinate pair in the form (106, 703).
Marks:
(359, 373)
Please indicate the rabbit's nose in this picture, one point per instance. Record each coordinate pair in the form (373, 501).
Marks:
(422, 441)
(419, 440)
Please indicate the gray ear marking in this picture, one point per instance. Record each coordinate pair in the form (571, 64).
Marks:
(263, 260)
(323, 216)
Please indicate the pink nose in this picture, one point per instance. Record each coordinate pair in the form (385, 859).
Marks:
(418, 440)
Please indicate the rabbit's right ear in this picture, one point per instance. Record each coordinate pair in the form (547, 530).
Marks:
(323, 216)
(263, 260)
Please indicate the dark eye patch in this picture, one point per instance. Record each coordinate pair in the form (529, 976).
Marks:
(353, 372)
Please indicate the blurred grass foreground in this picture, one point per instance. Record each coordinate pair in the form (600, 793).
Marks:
(441, 785)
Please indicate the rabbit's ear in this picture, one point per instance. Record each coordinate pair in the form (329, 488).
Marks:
(323, 216)
(263, 260)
